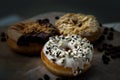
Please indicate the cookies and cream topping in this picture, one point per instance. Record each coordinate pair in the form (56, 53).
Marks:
(69, 51)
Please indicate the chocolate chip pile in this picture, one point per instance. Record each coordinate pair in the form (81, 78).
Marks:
(109, 51)
(3, 36)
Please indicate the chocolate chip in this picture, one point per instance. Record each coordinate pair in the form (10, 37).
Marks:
(46, 20)
(46, 77)
(2, 34)
(3, 39)
(40, 79)
(105, 59)
(101, 39)
(100, 24)
(111, 29)
(43, 21)
(106, 29)
(57, 17)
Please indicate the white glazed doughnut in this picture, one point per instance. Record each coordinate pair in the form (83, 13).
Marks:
(67, 55)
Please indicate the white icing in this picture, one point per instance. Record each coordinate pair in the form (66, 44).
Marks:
(80, 51)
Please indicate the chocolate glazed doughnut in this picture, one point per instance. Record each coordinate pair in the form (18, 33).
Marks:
(28, 38)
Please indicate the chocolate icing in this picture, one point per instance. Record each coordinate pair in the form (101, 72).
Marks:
(40, 38)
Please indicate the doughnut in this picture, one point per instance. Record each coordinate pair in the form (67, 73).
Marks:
(82, 24)
(29, 37)
(68, 55)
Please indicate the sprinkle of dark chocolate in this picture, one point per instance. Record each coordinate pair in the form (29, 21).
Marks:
(63, 61)
(57, 55)
(57, 17)
(47, 52)
(48, 48)
(46, 77)
(53, 60)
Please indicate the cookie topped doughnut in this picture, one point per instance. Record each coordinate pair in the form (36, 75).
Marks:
(82, 24)
(67, 55)
(26, 34)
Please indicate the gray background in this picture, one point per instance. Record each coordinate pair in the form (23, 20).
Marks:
(106, 11)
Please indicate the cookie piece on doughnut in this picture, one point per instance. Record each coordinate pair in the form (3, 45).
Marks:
(68, 55)
(29, 37)
(84, 25)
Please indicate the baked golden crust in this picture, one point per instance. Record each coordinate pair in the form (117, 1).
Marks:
(60, 70)
(84, 25)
